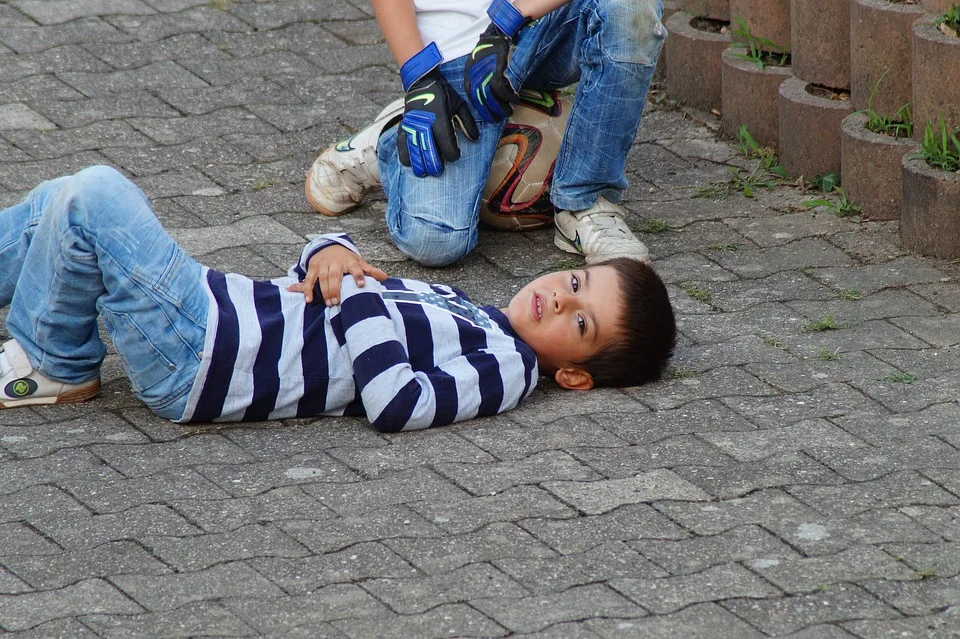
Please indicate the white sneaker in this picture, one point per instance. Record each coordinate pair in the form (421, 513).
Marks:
(20, 385)
(598, 233)
(346, 171)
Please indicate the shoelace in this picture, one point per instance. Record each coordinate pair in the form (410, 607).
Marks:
(604, 221)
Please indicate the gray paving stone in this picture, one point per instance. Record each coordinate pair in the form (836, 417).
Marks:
(115, 494)
(570, 536)
(163, 593)
(762, 507)
(671, 452)
(788, 614)
(769, 231)
(336, 534)
(146, 460)
(131, 55)
(756, 445)
(827, 536)
(190, 20)
(738, 480)
(830, 400)
(179, 130)
(822, 631)
(511, 505)
(17, 117)
(726, 382)
(943, 521)
(251, 230)
(804, 253)
(940, 626)
(604, 563)
(79, 533)
(884, 304)
(670, 594)
(36, 39)
(700, 621)
(570, 630)
(512, 443)
(455, 620)
(410, 452)
(358, 563)
(338, 601)
(934, 559)
(26, 175)
(873, 277)
(826, 367)
(193, 619)
(598, 497)
(529, 614)
(187, 554)
(416, 595)
(499, 541)
(489, 479)
(84, 111)
(272, 16)
(786, 286)
(38, 501)
(929, 362)
(404, 487)
(943, 293)
(10, 584)
(853, 565)
(33, 441)
(743, 544)
(922, 596)
(252, 478)
(60, 11)
(53, 571)
(873, 463)
(86, 597)
(61, 628)
(63, 464)
(695, 417)
(280, 504)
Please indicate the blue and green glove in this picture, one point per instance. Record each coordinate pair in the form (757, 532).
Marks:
(485, 80)
(427, 137)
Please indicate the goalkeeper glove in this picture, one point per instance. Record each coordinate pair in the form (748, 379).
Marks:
(485, 80)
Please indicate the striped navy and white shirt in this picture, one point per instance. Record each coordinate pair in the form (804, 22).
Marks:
(405, 353)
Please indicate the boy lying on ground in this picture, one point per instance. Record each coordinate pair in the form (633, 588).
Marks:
(200, 345)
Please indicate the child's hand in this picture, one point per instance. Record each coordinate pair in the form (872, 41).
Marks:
(328, 266)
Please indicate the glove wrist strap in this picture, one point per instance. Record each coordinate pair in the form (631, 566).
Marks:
(507, 18)
(421, 64)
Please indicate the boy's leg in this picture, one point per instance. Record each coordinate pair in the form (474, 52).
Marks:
(98, 247)
(434, 220)
(611, 46)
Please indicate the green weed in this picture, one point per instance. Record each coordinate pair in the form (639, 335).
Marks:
(726, 248)
(566, 264)
(222, 5)
(682, 373)
(850, 294)
(843, 207)
(951, 19)
(940, 151)
(899, 125)
(829, 356)
(655, 226)
(900, 378)
(828, 323)
(262, 183)
(697, 293)
(760, 51)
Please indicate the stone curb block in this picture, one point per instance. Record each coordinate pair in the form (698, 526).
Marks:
(809, 130)
(820, 41)
(880, 41)
(693, 63)
(936, 76)
(768, 19)
(751, 97)
(870, 169)
(929, 222)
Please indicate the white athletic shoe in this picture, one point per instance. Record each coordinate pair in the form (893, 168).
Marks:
(20, 385)
(346, 171)
(598, 233)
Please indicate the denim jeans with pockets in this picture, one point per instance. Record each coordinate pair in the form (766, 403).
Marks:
(611, 48)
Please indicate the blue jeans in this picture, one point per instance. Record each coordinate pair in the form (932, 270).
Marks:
(611, 47)
(90, 244)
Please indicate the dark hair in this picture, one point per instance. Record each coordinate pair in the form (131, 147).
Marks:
(646, 332)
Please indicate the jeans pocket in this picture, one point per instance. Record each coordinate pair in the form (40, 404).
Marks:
(145, 364)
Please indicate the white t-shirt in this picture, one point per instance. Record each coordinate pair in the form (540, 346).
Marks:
(454, 26)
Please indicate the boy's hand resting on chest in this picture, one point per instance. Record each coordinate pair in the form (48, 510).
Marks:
(327, 267)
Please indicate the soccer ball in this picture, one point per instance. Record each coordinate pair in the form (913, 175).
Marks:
(517, 194)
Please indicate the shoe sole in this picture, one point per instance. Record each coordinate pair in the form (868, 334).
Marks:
(75, 396)
(562, 243)
(319, 208)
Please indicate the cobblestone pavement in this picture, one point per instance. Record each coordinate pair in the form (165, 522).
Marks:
(796, 475)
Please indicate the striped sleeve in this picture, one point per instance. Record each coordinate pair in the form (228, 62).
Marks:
(395, 396)
(299, 270)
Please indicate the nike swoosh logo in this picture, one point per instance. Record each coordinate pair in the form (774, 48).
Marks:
(427, 98)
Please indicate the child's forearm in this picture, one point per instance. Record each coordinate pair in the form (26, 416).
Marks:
(537, 8)
(398, 23)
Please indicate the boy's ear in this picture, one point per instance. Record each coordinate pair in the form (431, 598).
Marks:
(574, 379)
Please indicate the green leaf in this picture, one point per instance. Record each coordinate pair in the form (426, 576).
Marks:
(748, 192)
(812, 204)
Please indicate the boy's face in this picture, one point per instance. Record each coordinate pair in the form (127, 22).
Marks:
(567, 316)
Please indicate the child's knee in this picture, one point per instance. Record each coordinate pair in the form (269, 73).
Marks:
(433, 243)
(632, 30)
